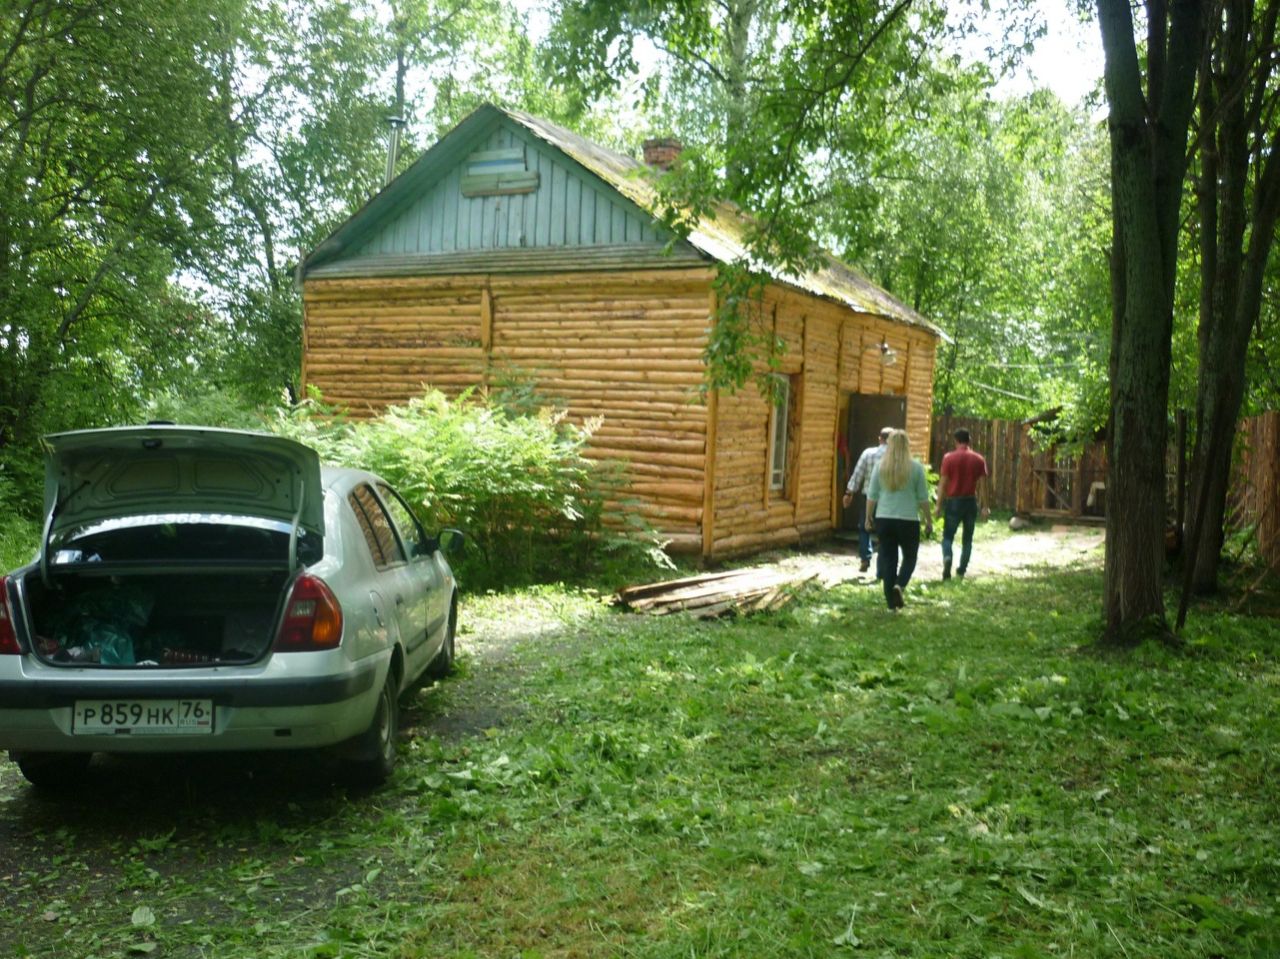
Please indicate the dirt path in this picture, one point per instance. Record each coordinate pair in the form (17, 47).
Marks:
(1018, 554)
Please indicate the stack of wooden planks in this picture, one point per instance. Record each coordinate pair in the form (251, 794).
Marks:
(716, 594)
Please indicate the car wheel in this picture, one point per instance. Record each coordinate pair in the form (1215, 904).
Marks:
(376, 747)
(53, 770)
(442, 665)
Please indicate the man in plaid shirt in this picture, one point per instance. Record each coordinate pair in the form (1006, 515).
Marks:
(858, 483)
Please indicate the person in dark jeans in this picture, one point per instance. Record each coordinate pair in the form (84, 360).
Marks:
(859, 481)
(897, 502)
(962, 472)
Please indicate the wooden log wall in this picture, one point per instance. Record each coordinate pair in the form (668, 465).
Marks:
(830, 353)
(627, 347)
(863, 370)
(371, 343)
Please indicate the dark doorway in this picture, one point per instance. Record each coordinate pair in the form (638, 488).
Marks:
(863, 417)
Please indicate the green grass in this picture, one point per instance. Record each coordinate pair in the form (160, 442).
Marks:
(19, 539)
(966, 779)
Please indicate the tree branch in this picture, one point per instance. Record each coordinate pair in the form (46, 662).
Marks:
(125, 237)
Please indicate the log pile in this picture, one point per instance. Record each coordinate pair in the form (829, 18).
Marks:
(740, 591)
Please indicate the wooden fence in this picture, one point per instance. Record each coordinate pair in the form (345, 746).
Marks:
(1032, 474)
(1029, 472)
(1255, 489)
(1000, 441)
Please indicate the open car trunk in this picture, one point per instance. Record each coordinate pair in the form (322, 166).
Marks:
(145, 620)
(205, 594)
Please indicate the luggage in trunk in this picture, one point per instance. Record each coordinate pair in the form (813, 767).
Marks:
(149, 620)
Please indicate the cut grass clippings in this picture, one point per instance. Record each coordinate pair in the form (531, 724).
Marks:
(969, 778)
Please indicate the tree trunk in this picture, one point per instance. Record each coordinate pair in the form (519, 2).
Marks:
(1142, 323)
(741, 17)
(1148, 143)
(1238, 203)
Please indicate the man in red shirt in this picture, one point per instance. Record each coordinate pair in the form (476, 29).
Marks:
(962, 470)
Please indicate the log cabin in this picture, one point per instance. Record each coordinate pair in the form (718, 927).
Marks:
(515, 247)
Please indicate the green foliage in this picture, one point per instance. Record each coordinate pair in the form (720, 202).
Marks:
(989, 217)
(222, 407)
(741, 342)
(165, 166)
(110, 156)
(961, 779)
(19, 534)
(533, 506)
(1262, 378)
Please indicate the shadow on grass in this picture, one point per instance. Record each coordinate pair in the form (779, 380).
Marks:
(121, 798)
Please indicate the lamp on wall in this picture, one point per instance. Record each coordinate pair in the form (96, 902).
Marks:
(888, 355)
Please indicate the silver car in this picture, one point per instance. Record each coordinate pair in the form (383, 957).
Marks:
(210, 590)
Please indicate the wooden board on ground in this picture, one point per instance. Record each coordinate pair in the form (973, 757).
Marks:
(715, 594)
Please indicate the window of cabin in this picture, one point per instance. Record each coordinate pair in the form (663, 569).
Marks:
(498, 173)
(779, 421)
(784, 431)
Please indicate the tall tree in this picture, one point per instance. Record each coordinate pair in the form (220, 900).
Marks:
(1149, 121)
(305, 95)
(1237, 203)
(304, 121)
(985, 214)
(716, 54)
(112, 166)
(799, 71)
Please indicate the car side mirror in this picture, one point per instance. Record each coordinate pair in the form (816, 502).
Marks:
(451, 541)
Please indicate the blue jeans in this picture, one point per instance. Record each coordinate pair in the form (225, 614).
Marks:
(957, 510)
(864, 534)
(897, 535)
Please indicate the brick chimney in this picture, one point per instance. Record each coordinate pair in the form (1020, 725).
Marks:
(662, 152)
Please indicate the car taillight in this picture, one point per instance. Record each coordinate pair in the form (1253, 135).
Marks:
(312, 618)
(8, 634)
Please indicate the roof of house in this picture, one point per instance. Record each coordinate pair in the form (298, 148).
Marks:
(719, 236)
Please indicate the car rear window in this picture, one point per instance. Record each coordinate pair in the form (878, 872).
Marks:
(177, 537)
(376, 526)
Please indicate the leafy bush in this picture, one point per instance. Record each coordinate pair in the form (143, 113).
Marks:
(19, 540)
(509, 472)
(212, 407)
(18, 533)
(517, 483)
(21, 481)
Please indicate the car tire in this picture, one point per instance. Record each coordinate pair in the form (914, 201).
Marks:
(374, 750)
(53, 770)
(442, 665)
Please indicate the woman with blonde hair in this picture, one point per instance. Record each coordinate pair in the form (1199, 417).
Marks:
(897, 501)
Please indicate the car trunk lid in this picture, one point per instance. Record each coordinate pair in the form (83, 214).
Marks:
(97, 475)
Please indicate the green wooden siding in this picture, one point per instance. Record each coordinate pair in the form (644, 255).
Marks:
(571, 207)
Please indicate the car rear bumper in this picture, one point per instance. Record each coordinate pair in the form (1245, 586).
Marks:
(249, 713)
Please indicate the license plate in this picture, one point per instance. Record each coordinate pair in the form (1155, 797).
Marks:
(147, 717)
